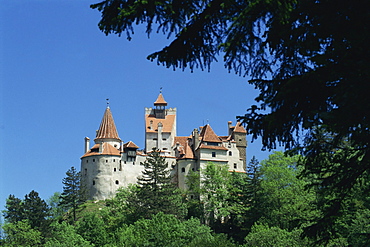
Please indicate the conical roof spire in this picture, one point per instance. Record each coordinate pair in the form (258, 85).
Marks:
(107, 129)
(160, 100)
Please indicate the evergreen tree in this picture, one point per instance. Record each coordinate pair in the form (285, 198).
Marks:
(253, 189)
(32, 208)
(73, 194)
(14, 209)
(156, 192)
(36, 211)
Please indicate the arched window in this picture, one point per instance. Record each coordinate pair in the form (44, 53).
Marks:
(183, 169)
(117, 182)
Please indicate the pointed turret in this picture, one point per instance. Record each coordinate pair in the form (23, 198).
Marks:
(160, 101)
(107, 130)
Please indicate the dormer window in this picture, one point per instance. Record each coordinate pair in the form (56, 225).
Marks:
(212, 143)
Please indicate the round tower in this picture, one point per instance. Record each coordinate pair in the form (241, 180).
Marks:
(100, 164)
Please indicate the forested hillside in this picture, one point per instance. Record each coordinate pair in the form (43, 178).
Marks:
(270, 205)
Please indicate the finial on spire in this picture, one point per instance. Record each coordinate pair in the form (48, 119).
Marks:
(107, 102)
(160, 90)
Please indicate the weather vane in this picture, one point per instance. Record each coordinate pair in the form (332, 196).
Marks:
(107, 102)
(160, 90)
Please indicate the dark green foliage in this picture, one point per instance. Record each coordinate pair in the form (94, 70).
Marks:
(14, 209)
(73, 194)
(32, 209)
(156, 192)
(36, 210)
(253, 192)
(337, 169)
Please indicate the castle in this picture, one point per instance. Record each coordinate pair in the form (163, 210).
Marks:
(110, 163)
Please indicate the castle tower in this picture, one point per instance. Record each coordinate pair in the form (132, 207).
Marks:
(239, 134)
(160, 126)
(99, 163)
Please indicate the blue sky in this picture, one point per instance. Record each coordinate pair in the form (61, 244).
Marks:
(56, 71)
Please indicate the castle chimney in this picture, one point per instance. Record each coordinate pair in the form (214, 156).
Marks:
(87, 144)
(229, 127)
(196, 139)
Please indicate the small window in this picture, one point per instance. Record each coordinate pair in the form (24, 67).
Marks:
(115, 169)
(235, 166)
(124, 162)
(93, 182)
(93, 160)
(87, 161)
(106, 161)
(85, 171)
(164, 139)
(193, 169)
(213, 154)
(183, 169)
(230, 153)
(114, 160)
(117, 182)
(165, 148)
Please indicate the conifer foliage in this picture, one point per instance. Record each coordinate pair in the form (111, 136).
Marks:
(32, 208)
(157, 193)
(73, 194)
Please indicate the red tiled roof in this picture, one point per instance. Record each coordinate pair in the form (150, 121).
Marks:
(167, 123)
(107, 150)
(107, 129)
(188, 152)
(239, 128)
(208, 135)
(160, 100)
(184, 149)
(130, 144)
(181, 140)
